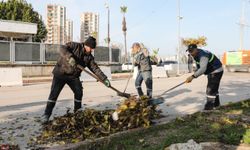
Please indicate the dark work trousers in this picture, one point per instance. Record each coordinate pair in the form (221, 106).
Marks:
(147, 77)
(57, 86)
(213, 99)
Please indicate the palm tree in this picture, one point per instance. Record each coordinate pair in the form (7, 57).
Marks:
(124, 28)
(94, 34)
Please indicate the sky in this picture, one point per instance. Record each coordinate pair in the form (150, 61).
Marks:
(154, 22)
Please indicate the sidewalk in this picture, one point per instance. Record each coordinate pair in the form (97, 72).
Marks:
(29, 80)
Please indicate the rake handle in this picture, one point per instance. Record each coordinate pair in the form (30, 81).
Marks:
(94, 76)
(173, 87)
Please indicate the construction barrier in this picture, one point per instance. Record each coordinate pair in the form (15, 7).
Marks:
(171, 69)
(166, 71)
(236, 61)
(158, 72)
(11, 77)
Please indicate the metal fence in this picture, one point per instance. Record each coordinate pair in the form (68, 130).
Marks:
(41, 53)
(116, 55)
(5, 51)
(51, 52)
(27, 52)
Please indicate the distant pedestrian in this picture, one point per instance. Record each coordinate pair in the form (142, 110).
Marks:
(190, 63)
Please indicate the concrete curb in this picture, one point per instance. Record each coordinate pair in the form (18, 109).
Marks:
(27, 80)
(36, 80)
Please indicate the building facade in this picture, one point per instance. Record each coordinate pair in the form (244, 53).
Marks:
(17, 30)
(69, 30)
(89, 26)
(56, 24)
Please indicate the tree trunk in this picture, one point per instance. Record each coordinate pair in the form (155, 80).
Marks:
(125, 47)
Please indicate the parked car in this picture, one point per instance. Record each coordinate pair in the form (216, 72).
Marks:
(127, 66)
(169, 66)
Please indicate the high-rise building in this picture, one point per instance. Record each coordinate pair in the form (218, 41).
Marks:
(89, 26)
(69, 30)
(55, 24)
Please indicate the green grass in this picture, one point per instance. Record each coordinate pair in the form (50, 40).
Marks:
(230, 125)
(121, 71)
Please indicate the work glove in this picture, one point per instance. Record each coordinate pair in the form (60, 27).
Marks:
(189, 79)
(107, 82)
(72, 61)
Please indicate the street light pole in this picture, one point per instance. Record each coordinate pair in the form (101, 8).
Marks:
(108, 39)
(108, 28)
(179, 38)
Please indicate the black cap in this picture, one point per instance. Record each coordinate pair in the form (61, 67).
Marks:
(90, 42)
(191, 47)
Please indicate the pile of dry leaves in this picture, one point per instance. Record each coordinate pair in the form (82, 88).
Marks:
(90, 123)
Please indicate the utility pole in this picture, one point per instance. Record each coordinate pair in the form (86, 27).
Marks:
(179, 17)
(242, 24)
(108, 38)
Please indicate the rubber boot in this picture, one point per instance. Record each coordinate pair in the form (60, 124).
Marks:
(44, 119)
(77, 106)
(48, 111)
(149, 94)
(217, 101)
(139, 91)
(210, 104)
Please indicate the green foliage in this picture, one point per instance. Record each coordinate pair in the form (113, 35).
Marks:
(124, 9)
(20, 10)
(155, 52)
(94, 34)
(246, 137)
(122, 71)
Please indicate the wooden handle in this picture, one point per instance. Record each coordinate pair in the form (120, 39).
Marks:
(89, 73)
(94, 76)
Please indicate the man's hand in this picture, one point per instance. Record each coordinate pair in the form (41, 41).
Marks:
(189, 79)
(72, 61)
(107, 82)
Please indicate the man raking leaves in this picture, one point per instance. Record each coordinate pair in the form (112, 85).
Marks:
(67, 72)
(208, 64)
